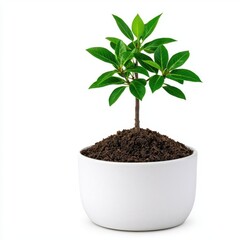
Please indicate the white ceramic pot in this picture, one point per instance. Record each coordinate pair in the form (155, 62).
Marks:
(138, 196)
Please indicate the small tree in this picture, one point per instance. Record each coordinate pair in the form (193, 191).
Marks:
(129, 61)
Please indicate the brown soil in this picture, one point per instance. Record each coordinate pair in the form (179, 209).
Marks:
(137, 146)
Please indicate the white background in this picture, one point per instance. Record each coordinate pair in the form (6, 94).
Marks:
(48, 114)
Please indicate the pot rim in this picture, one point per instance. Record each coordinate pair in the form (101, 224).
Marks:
(100, 161)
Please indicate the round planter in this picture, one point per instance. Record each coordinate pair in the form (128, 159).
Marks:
(138, 196)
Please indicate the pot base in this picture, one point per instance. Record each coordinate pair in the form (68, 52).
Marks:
(138, 230)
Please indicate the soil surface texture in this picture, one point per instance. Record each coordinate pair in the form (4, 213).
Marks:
(137, 146)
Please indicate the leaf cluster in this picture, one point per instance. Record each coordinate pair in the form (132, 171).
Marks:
(150, 59)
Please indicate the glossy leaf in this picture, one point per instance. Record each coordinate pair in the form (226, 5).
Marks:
(151, 63)
(138, 26)
(176, 80)
(113, 45)
(107, 81)
(126, 56)
(116, 93)
(132, 45)
(150, 26)
(102, 77)
(151, 47)
(183, 74)
(124, 27)
(137, 89)
(120, 48)
(178, 59)
(161, 57)
(138, 69)
(142, 81)
(103, 54)
(113, 40)
(156, 82)
(129, 64)
(174, 91)
(141, 58)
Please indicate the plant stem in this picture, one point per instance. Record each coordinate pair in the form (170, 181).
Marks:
(137, 108)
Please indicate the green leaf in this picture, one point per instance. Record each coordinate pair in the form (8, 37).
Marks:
(174, 91)
(126, 56)
(107, 81)
(161, 57)
(138, 26)
(176, 80)
(103, 77)
(137, 89)
(141, 58)
(103, 54)
(151, 47)
(124, 27)
(142, 81)
(183, 74)
(150, 26)
(132, 45)
(156, 82)
(120, 49)
(113, 45)
(178, 59)
(151, 63)
(129, 64)
(116, 94)
(113, 40)
(138, 69)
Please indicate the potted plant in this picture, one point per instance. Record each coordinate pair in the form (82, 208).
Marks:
(138, 179)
